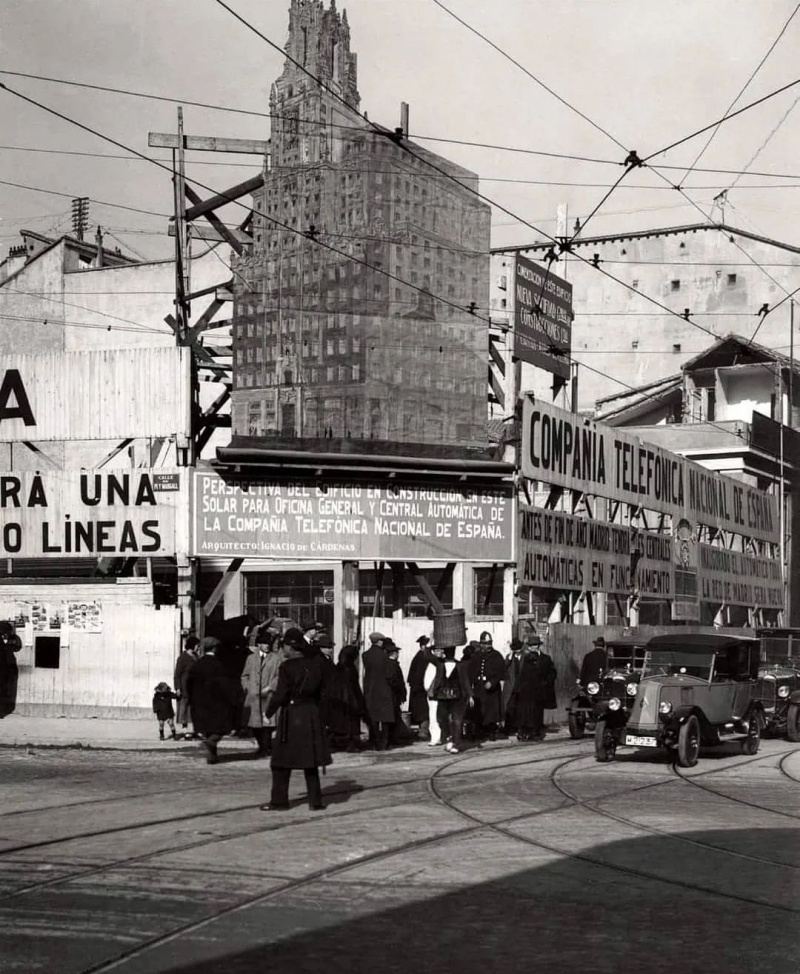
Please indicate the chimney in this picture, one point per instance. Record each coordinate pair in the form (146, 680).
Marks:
(98, 239)
(404, 118)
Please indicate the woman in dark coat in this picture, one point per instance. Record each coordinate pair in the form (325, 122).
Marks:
(184, 663)
(346, 707)
(300, 742)
(213, 697)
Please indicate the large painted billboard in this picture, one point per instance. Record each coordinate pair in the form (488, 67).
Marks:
(88, 513)
(542, 317)
(568, 450)
(561, 551)
(339, 521)
(104, 395)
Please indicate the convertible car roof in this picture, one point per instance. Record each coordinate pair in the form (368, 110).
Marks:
(700, 641)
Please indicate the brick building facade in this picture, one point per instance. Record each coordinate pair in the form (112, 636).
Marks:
(340, 329)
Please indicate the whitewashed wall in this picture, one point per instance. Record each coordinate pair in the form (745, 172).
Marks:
(108, 674)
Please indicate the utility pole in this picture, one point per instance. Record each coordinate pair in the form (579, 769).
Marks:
(182, 252)
(80, 216)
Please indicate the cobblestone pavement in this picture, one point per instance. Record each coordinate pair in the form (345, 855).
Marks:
(506, 857)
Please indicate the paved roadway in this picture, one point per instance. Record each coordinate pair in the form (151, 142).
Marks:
(507, 858)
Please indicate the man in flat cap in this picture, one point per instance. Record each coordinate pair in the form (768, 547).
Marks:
(378, 691)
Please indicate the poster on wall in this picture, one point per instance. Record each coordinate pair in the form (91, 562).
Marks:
(542, 317)
(85, 616)
(729, 577)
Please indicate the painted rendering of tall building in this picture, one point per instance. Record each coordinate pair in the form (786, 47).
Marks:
(352, 306)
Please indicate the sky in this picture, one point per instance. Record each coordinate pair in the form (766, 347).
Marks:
(648, 72)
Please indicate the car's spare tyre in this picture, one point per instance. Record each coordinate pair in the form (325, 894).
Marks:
(689, 742)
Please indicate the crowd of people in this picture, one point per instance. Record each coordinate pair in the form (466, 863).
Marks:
(299, 704)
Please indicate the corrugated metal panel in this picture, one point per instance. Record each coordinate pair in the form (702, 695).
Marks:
(111, 394)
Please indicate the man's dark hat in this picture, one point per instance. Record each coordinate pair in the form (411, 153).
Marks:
(600, 641)
(323, 641)
(534, 639)
(424, 640)
(191, 642)
(210, 644)
(516, 644)
(294, 638)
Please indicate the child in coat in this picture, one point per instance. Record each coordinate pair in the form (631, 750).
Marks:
(162, 708)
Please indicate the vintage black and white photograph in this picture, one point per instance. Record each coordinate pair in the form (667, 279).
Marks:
(399, 461)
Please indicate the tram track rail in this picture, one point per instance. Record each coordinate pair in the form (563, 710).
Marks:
(593, 805)
(502, 828)
(274, 826)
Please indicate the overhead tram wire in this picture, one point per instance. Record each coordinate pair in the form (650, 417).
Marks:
(532, 76)
(70, 196)
(414, 136)
(725, 118)
(742, 90)
(236, 202)
(638, 162)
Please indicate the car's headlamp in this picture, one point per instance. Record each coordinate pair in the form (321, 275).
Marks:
(631, 689)
(783, 692)
(665, 707)
(593, 688)
(614, 703)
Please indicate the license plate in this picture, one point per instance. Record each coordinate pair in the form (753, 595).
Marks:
(640, 741)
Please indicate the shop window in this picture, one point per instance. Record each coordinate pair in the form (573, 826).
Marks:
(487, 589)
(675, 285)
(413, 602)
(47, 652)
(304, 597)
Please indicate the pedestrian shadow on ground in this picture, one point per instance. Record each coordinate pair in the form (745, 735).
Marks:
(658, 904)
(341, 791)
(230, 757)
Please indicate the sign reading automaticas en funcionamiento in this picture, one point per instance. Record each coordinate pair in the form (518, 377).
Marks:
(339, 521)
(567, 450)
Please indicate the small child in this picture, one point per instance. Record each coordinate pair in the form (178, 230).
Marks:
(162, 708)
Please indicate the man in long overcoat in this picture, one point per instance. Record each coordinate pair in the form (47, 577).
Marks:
(534, 691)
(213, 696)
(594, 662)
(418, 698)
(378, 694)
(10, 645)
(300, 741)
(513, 664)
(259, 680)
(183, 664)
(487, 670)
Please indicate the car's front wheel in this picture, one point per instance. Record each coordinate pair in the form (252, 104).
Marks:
(577, 725)
(751, 743)
(793, 722)
(605, 742)
(689, 743)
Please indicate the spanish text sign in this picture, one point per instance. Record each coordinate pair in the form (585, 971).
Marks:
(265, 519)
(558, 550)
(735, 578)
(542, 317)
(567, 450)
(88, 513)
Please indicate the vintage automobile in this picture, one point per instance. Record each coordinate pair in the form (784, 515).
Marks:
(619, 678)
(780, 698)
(696, 689)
